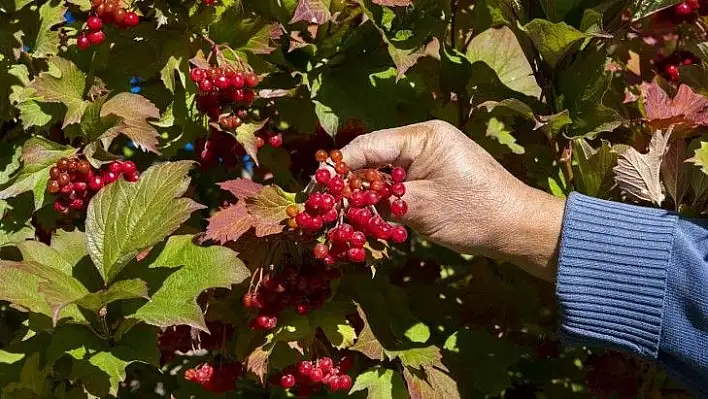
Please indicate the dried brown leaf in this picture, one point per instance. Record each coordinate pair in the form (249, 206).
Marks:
(638, 175)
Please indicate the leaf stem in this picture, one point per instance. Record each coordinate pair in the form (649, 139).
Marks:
(91, 74)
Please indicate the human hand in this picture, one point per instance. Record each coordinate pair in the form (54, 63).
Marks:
(462, 198)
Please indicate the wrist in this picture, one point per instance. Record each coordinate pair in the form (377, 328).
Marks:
(530, 233)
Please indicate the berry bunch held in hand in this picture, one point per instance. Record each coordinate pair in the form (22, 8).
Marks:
(224, 94)
(218, 380)
(105, 12)
(347, 201)
(303, 288)
(74, 181)
(307, 377)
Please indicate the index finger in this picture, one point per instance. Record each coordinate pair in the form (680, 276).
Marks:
(397, 146)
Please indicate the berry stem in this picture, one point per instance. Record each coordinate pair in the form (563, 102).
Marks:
(92, 72)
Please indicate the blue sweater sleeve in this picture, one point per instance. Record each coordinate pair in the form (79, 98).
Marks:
(636, 279)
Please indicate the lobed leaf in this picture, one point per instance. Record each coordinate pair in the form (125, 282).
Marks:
(124, 218)
(196, 269)
(134, 110)
(380, 383)
(63, 83)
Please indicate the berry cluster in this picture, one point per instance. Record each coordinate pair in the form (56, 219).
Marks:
(352, 197)
(224, 92)
(669, 66)
(219, 147)
(106, 12)
(309, 376)
(303, 288)
(75, 181)
(218, 380)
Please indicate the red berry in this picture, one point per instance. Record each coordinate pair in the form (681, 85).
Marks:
(276, 140)
(345, 364)
(59, 206)
(684, 9)
(313, 202)
(357, 199)
(398, 189)
(287, 381)
(356, 255)
(196, 75)
(222, 82)
(53, 187)
(372, 197)
(672, 71)
(328, 260)
(399, 234)
(116, 167)
(326, 203)
(320, 251)
(316, 223)
(131, 19)
(322, 176)
(79, 186)
(335, 185)
(316, 375)
(97, 37)
(206, 85)
(109, 177)
(129, 167)
(259, 142)
(64, 179)
(96, 183)
(345, 233)
(358, 239)
(251, 80)
(77, 204)
(248, 96)
(399, 207)
(344, 382)
(325, 364)
(398, 175)
(83, 42)
(237, 95)
(304, 368)
(303, 219)
(94, 23)
(132, 177)
(237, 80)
(330, 216)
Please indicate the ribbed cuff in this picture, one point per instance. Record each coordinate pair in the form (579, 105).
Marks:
(612, 274)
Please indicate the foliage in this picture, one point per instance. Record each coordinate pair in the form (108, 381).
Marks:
(150, 283)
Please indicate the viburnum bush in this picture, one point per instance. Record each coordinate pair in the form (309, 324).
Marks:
(177, 219)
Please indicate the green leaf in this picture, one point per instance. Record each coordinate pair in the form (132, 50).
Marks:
(501, 51)
(38, 156)
(498, 130)
(585, 88)
(328, 119)
(100, 365)
(644, 8)
(120, 290)
(193, 270)
(47, 42)
(22, 288)
(381, 383)
(418, 357)
(332, 319)
(592, 169)
(92, 125)
(246, 136)
(367, 343)
(553, 40)
(66, 250)
(63, 83)
(33, 381)
(149, 210)
(175, 65)
(419, 333)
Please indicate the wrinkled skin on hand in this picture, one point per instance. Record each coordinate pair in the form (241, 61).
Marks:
(460, 197)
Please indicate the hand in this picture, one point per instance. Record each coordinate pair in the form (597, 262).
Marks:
(460, 197)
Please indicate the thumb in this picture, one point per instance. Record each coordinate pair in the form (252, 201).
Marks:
(397, 146)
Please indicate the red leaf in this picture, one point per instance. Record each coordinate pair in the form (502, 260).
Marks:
(311, 11)
(686, 110)
(229, 224)
(393, 3)
(241, 188)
